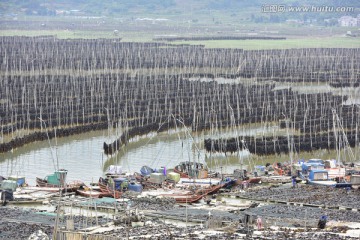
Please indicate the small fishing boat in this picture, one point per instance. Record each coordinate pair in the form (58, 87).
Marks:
(107, 189)
(58, 180)
(192, 170)
(355, 181)
(114, 171)
(241, 177)
(252, 180)
(102, 184)
(152, 179)
(335, 170)
(114, 193)
(184, 198)
(91, 192)
(321, 178)
(2, 179)
(209, 189)
(146, 170)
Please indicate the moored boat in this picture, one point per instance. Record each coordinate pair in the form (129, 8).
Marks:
(192, 170)
(335, 170)
(355, 181)
(241, 177)
(209, 189)
(90, 193)
(107, 189)
(184, 198)
(58, 180)
(321, 178)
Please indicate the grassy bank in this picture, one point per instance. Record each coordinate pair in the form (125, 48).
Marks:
(306, 42)
(326, 42)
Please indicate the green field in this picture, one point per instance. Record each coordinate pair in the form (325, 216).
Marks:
(130, 30)
(306, 42)
(326, 42)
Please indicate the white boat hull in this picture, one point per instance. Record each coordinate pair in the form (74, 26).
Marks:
(328, 183)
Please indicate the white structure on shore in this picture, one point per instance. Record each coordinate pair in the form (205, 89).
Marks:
(348, 21)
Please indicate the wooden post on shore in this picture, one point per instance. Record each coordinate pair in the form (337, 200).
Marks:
(57, 217)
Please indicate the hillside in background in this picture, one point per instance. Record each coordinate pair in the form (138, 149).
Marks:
(119, 8)
(140, 20)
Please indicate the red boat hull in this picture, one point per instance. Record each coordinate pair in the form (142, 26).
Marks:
(68, 188)
(108, 191)
(186, 198)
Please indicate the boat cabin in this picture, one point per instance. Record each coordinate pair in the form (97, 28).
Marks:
(113, 171)
(57, 178)
(19, 180)
(321, 177)
(192, 169)
(355, 181)
(308, 166)
(315, 160)
(318, 175)
(330, 163)
(8, 185)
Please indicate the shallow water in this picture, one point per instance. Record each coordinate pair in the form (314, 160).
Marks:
(83, 157)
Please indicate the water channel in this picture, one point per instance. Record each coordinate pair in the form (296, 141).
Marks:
(82, 155)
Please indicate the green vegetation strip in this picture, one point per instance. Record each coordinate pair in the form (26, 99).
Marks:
(306, 42)
(326, 42)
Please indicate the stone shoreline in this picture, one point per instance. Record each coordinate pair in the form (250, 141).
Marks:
(162, 218)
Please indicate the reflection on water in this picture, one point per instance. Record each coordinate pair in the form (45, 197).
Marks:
(169, 149)
(83, 156)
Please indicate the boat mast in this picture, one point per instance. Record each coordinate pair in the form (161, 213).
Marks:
(290, 145)
(233, 124)
(188, 134)
(51, 149)
(340, 142)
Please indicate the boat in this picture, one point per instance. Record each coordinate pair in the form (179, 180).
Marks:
(184, 198)
(209, 189)
(107, 190)
(241, 178)
(146, 183)
(114, 193)
(355, 181)
(151, 179)
(102, 184)
(321, 178)
(91, 193)
(58, 180)
(114, 171)
(189, 169)
(251, 180)
(254, 180)
(303, 168)
(19, 180)
(146, 170)
(335, 171)
(71, 187)
(2, 179)
(199, 189)
(6, 195)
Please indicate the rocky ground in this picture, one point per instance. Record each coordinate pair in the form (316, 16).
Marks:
(298, 215)
(317, 195)
(280, 221)
(20, 223)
